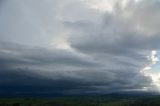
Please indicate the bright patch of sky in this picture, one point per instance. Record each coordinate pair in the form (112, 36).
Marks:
(156, 67)
(152, 70)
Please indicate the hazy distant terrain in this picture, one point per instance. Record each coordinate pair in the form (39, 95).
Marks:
(109, 100)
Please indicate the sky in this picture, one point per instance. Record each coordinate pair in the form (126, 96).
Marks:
(75, 47)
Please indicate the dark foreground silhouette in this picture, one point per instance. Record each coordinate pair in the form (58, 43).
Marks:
(110, 100)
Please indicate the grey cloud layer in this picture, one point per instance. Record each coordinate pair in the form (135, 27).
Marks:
(108, 49)
(22, 66)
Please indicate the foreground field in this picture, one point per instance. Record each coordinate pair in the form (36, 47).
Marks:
(84, 101)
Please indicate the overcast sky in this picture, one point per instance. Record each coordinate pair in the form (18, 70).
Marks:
(79, 46)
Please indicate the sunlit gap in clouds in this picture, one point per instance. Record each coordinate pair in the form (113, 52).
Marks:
(108, 5)
(152, 69)
(60, 42)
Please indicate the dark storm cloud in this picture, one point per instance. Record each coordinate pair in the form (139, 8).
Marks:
(124, 36)
(69, 47)
(17, 55)
(26, 70)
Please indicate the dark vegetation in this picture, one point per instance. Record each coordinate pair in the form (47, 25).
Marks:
(109, 100)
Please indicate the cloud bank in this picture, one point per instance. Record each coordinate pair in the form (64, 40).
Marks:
(77, 46)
